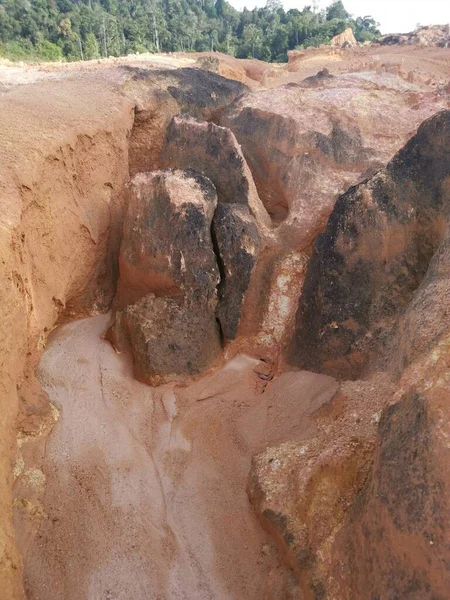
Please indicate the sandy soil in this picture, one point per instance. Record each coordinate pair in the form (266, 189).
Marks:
(145, 488)
(424, 66)
(429, 66)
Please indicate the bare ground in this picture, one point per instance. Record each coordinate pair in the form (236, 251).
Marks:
(138, 492)
(145, 488)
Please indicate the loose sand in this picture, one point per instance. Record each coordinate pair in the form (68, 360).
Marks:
(145, 488)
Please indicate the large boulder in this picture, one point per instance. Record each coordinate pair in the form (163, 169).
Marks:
(213, 151)
(241, 226)
(166, 245)
(373, 256)
(171, 337)
(166, 298)
(159, 94)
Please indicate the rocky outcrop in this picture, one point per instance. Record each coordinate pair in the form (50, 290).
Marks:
(360, 509)
(432, 35)
(166, 299)
(213, 150)
(373, 256)
(306, 143)
(238, 242)
(167, 252)
(302, 489)
(344, 39)
(170, 337)
(166, 246)
(241, 226)
(159, 95)
(396, 534)
(425, 319)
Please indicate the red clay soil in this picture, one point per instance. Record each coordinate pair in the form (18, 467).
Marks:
(138, 492)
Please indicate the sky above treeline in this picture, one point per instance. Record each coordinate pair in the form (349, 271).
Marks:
(394, 16)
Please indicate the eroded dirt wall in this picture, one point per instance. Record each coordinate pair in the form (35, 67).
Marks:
(63, 165)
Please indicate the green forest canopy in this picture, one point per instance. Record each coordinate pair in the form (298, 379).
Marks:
(87, 29)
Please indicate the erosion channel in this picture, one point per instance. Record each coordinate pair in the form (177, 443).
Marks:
(225, 344)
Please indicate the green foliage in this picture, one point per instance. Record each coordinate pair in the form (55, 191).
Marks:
(19, 49)
(91, 47)
(89, 29)
(48, 51)
(366, 29)
(336, 10)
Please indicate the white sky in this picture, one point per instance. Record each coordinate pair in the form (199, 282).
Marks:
(394, 16)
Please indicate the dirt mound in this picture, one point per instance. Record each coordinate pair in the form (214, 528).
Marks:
(433, 35)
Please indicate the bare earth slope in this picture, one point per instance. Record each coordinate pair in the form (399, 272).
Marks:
(63, 161)
(140, 492)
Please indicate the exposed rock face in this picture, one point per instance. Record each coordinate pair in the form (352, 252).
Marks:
(165, 306)
(168, 252)
(302, 489)
(166, 246)
(425, 319)
(373, 256)
(351, 528)
(171, 337)
(346, 38)
(161, 94)
(213, 150)
(241, 225)
(396, 534)
(306, 143)
(433, 35)
(238, 243)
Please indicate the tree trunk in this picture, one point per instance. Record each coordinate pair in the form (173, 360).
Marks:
(105, 44)
(155, 33)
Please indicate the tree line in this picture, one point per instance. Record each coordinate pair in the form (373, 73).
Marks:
(88, 29)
